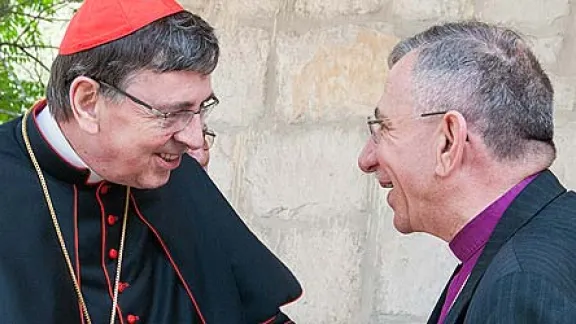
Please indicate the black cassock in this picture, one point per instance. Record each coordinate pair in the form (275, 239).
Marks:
(188, 257)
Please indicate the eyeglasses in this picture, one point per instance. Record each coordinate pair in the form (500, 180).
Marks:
(171, 121)
(209, 137)
(376, 125)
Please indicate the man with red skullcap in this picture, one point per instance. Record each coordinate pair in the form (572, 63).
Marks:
(104, 218)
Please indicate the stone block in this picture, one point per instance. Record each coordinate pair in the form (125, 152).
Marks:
(565, 139)
(239, 79)
(304, 171)
(326, 260)
(566, 62)
(222, 11)
(564, 92)
(196, 6)
(432, 10)
(224, 161)
(538, 17)
(396, 319)
(268, 235)
(331, 74)
(333, 8)
(413, 271)
(547, 49)
(229, 157)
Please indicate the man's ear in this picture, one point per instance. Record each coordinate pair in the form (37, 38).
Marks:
(451, 143)
(83, 99)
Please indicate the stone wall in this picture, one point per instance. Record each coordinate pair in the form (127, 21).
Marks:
(296, 80)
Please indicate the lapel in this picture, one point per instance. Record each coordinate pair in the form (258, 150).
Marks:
(539, 193)
(433, 319)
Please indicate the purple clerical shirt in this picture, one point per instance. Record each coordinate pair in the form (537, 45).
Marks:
(468, 244)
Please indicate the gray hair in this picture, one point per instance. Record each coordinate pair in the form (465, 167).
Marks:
(179, 42)
(490, 75)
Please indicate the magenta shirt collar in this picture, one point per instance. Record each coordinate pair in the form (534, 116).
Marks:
(476, 233)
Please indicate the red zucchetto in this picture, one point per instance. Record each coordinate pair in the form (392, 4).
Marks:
(98, 22)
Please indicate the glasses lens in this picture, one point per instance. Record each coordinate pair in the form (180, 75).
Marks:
(208, 142)
(375, 128)
(205, 111)
(209, 137)
(207, 106)
(177, 122)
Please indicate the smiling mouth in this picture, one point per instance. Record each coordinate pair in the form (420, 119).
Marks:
(169, 157)
(387, 185)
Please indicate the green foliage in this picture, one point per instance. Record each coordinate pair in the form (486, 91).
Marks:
(21, 45)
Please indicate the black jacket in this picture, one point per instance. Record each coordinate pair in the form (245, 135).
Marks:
(527, 271)
(188, 258)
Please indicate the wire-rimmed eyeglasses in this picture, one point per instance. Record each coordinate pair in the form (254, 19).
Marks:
(209, 137)
(170, 121)
(376, 125)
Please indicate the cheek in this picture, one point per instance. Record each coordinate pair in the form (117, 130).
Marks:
(405, 170)
(149, 145)
(134, 145)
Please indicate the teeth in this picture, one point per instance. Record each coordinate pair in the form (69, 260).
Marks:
(168, 157)
(388, 185)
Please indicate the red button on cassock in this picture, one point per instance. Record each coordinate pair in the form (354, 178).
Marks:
(104, 189)
(113, 253)
(112, 220)
(122, 286)
(132, 318)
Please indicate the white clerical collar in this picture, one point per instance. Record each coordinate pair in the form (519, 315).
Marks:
(53, 134)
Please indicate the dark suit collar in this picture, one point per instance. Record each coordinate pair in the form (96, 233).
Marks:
(539, 193)
(438, 308)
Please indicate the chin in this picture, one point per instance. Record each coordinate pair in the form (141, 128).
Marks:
(403, 229)
(402, 225)
(153, 182)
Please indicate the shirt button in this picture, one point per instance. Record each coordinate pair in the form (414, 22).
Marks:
(113, 253)
(104, 189)
(122, 286)
(132, 319)
(112, 219)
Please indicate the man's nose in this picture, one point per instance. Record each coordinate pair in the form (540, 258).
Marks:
(367, 160)
(192, 135)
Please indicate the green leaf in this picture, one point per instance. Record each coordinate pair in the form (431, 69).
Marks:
(19, 34)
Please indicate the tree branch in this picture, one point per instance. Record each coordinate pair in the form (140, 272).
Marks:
(54, 8)
(33, 46)
(35, 17)
(30, 55)
(9, 113)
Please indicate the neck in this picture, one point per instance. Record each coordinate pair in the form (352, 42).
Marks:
(60, 142)
(470, 193)
(83, 144)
